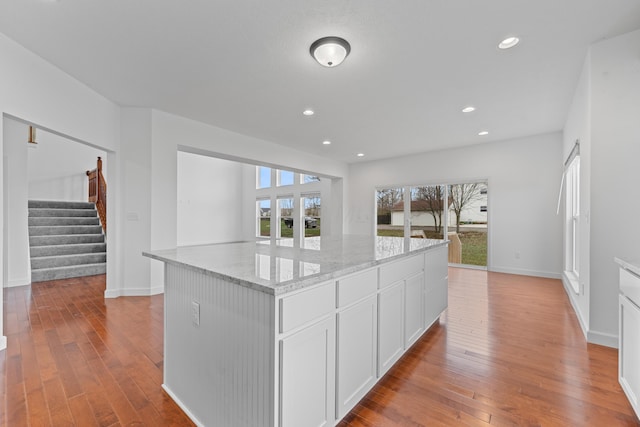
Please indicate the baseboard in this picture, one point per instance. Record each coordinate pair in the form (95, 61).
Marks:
(522, 272)
(133, 292)
(583, 324)
(602, 338)
(3, 342)
(17, 282)
(182, 406)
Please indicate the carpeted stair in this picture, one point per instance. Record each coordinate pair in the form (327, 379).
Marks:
(65, 240)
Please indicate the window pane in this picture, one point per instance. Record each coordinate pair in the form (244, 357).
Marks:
(264, 218)
(286, 178)
(468, 223)
(264, 177)
(390, 212)
(285, 216)
(427, 211)
(305, 179)
(312, 210)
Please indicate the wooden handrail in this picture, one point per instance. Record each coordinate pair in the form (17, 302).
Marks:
(98, 192)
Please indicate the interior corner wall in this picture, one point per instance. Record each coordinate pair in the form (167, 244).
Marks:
(524, 177)
(615, 150)
(578, 127)
(35, 91)
(15, 175)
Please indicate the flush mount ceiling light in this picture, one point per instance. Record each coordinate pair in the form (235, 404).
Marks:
(330, 51)
(508, 43)
(326, 142)
(483, 133)
(468, 109)
(308, 112)
(360, 154)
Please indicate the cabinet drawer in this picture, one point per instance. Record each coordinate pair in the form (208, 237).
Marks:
(398, 270)
(305, 306)
(630, 286)
(353, 288)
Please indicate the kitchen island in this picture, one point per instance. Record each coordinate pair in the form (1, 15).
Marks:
(273, 333)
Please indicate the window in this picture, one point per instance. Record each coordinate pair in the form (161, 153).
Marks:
(458, 211)
(288, 204)
(285, 178)
(286, 220)
(572, 224)
(390, 212)
(263, 213)
(264, 177)
(305, 179)
(312, 209)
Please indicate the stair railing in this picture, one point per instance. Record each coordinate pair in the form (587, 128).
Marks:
(98, 192)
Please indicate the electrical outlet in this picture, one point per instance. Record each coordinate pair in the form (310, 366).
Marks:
(195, 313)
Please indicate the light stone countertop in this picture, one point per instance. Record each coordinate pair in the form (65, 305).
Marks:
(277, 267)
(633, 265)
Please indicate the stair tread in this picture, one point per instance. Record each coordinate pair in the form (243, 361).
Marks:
(68, 256)
(70, 267)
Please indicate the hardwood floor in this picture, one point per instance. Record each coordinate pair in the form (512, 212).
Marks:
(508, 351)
(74, 358)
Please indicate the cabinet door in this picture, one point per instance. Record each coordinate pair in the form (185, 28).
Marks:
(436, 284)
(307, 376)
(390, 326)
(414, 323)
(629, 351)
(356, 361)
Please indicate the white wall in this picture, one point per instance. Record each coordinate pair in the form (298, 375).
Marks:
(210, 193)
(16, 241)
(57, 168)
(615, 152)
(523, 180)
(578, 127)
(35, 91)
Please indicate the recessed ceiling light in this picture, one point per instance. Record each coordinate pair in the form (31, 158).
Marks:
(326, 142)
(483, 133)
(308, 112)
(360, 154)
(509, 42)
(468, 109)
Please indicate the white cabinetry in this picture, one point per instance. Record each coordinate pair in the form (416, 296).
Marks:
(400, 309)
(629, 338)
(413, 309)
(356, 352)
(390, 324)
(307, 373)
(436, 282)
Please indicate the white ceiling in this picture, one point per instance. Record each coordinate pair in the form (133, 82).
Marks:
(244, 65)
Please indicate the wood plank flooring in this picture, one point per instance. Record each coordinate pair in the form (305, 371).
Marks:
(508, 351)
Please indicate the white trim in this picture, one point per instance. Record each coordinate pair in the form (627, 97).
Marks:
(574, 303)
(136, 292)
(523, 272)
(182, 406)
(3, 342)
(603, 338)
(17, 282)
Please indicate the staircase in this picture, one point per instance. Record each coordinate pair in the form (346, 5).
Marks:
(65, 240)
